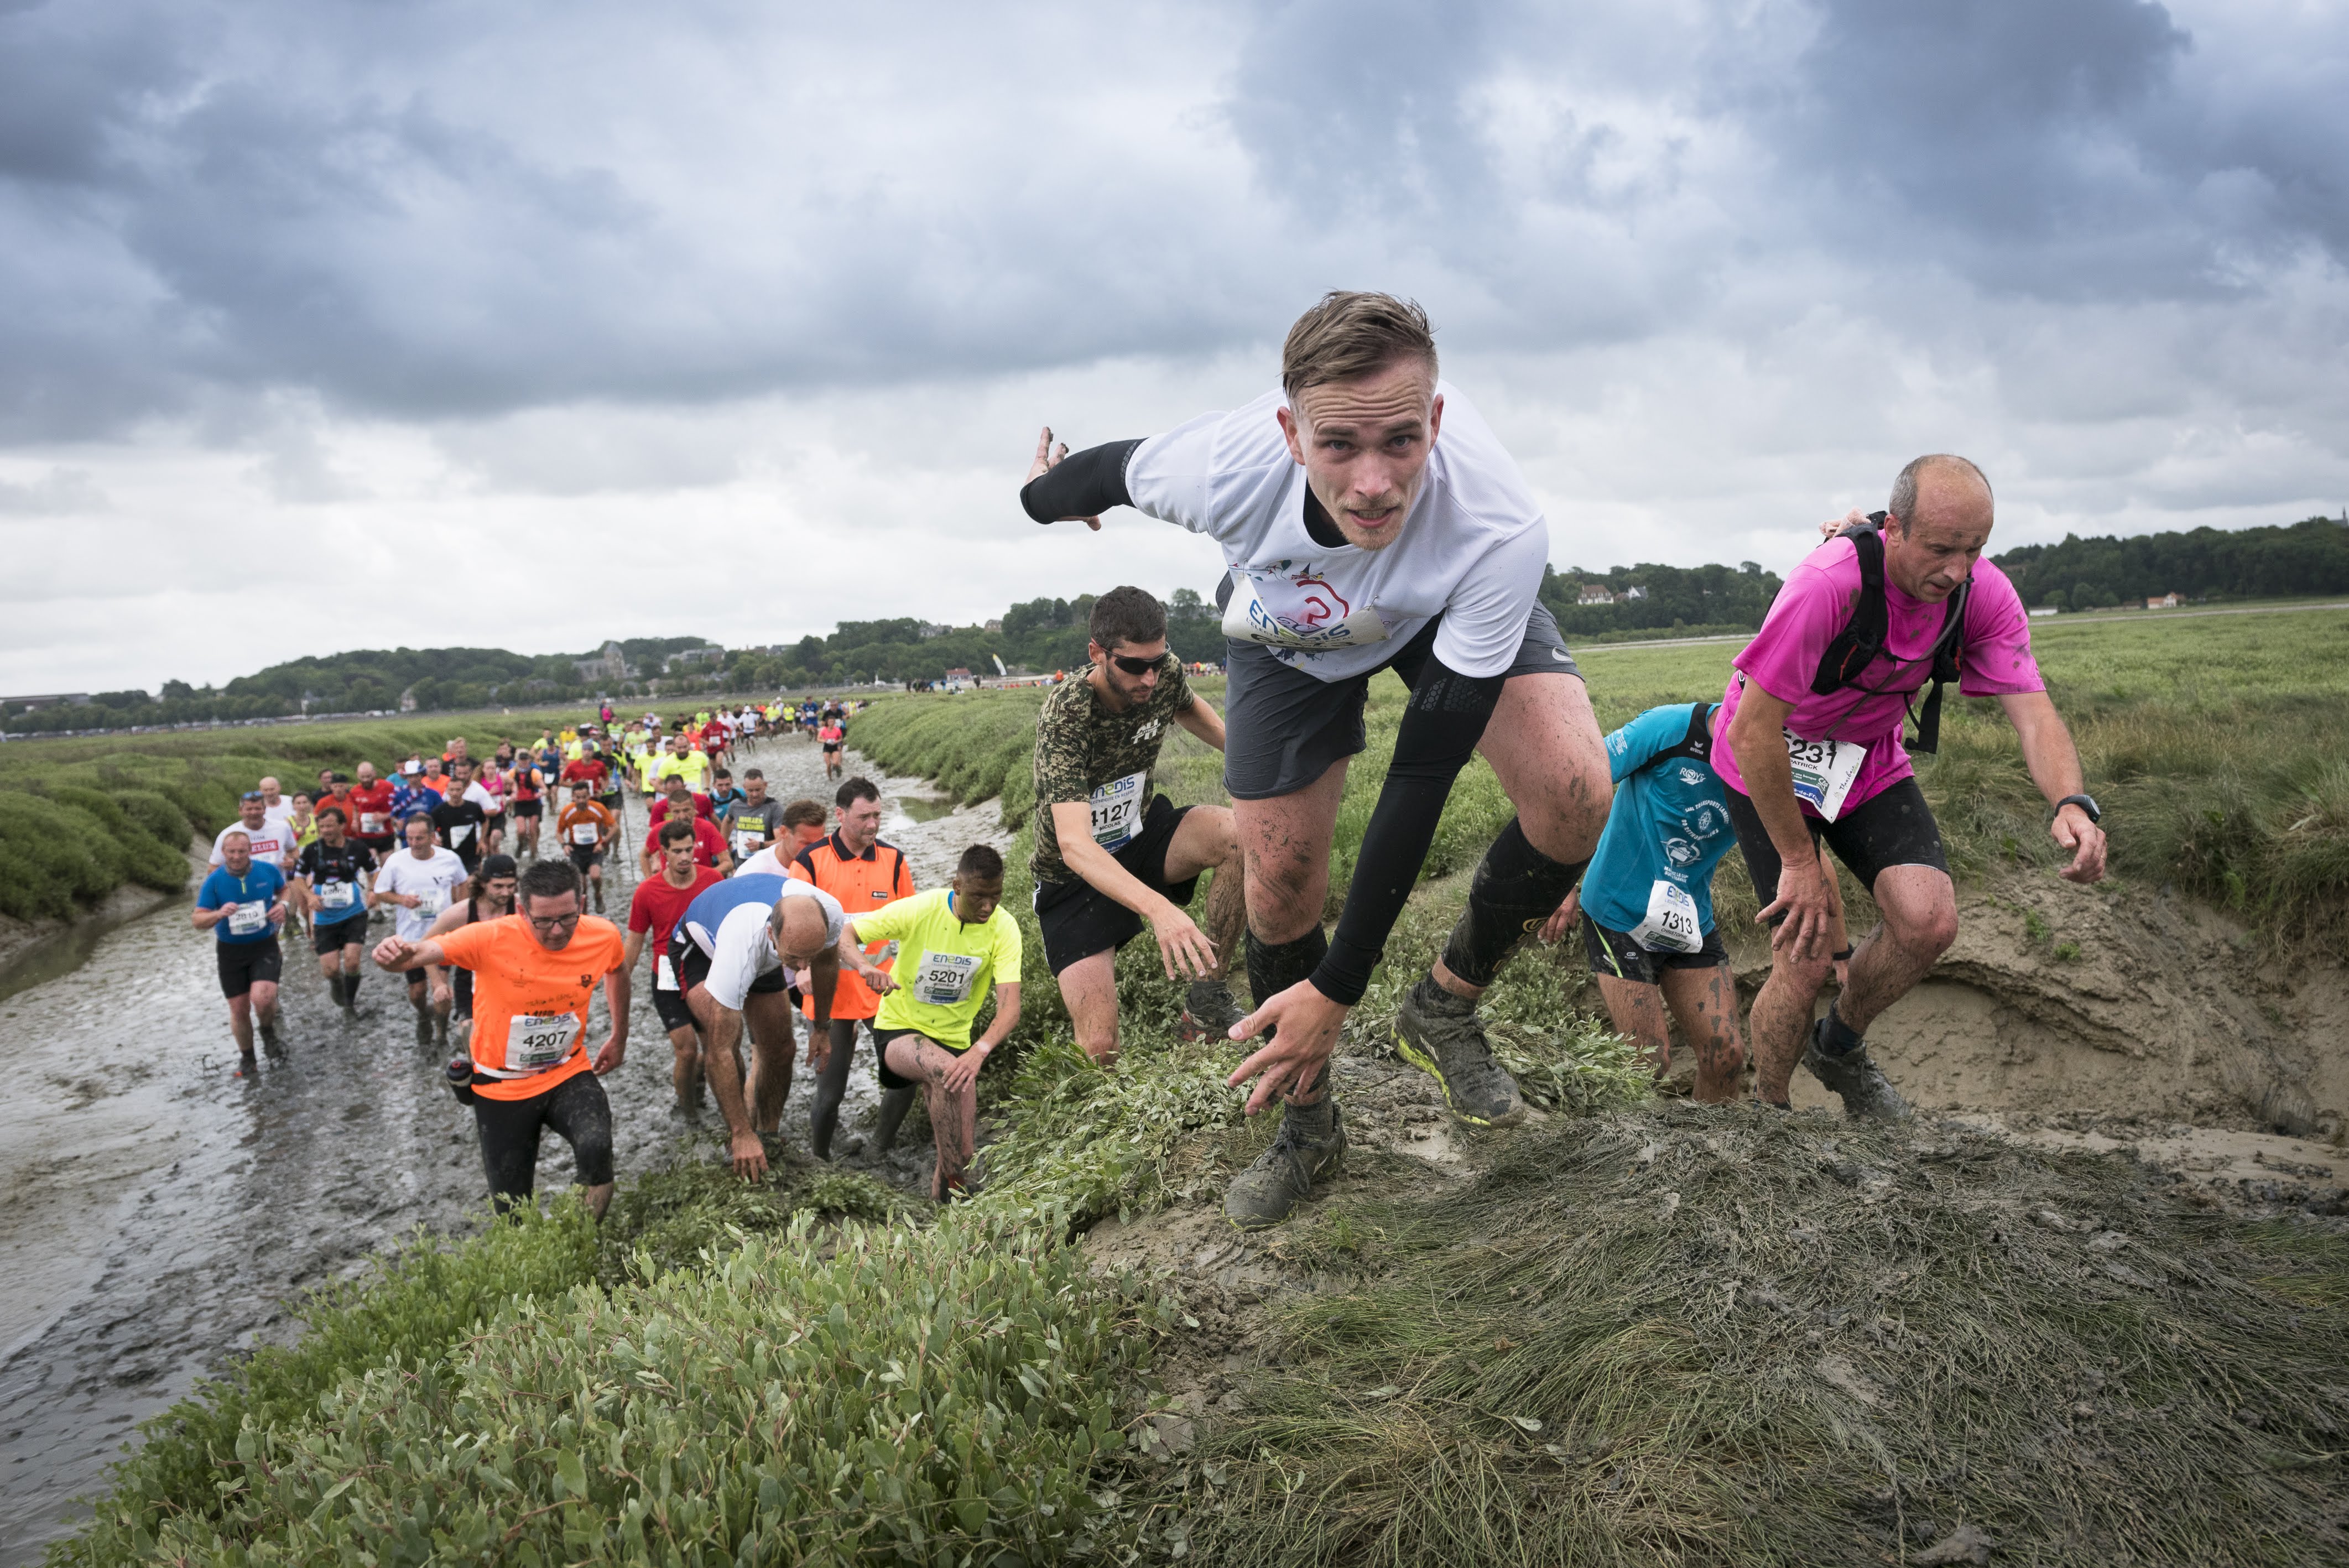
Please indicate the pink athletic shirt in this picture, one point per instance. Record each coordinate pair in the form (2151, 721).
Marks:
(1814, 605)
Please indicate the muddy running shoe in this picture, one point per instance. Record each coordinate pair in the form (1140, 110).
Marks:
(1209, 1011)
(1440, 1034)
(1309, 1146)
(1865, 1090)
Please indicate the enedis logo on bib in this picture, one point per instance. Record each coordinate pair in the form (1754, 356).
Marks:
(1290, 606)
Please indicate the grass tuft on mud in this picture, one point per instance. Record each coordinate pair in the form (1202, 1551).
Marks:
(1696, 1335)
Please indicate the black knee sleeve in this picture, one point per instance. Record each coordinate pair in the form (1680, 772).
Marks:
(1516, 889)
(1274, 966)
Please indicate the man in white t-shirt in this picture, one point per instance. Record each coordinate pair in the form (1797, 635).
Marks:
(1369, 520)
(272, 836)
(418, 883)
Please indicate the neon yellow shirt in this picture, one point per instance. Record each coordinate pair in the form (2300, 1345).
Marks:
(946, 970)
(694, 765)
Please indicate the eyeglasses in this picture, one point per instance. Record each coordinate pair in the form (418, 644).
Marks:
(552, 921)
(253, 795)
(1134, 665)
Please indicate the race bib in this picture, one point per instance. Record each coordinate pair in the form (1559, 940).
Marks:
(585, 833)
(1671, 924)
(663, 974)
(431, 902)
(1117, 810)
(536, 1041)
(1824, 771)
(336, 894)
(747, 841)
(945, 978)
(247, 918)
(374, 824)
(1300, 612)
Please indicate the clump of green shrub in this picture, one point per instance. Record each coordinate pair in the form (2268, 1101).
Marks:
(910, 1395)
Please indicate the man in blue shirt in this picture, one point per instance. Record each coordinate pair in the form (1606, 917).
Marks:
(241, 903)
(1645, 901)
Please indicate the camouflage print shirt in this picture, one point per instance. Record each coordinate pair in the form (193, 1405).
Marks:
(1085, 752)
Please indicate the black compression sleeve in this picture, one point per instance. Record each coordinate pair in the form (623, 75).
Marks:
(1083, 484)
(1439, 733)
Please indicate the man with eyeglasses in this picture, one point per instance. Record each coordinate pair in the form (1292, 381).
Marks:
(269, 839)
(534, 975)
(1112, 854)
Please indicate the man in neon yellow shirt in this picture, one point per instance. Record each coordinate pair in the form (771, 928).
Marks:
(683, 759)
(955, 945)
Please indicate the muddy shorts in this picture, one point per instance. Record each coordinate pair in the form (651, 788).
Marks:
(669, 1006)
(584, 858)
(1284, 729)
(333, 936)
(891, 1078)
(1895, 828)
(244, 964)
(575, 1108)
(1078, 919)
(1621, 954)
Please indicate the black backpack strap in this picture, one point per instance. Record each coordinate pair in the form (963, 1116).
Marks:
(1697, 743)
(1862, 637)
(1949, 664)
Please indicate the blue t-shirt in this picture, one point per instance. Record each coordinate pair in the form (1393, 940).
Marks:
(1670, 821)
(259, 885)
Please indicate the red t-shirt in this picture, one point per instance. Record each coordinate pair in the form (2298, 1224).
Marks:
(658, 812)
(657, 907)
(591, 769)
(371, 800)
(708, 844)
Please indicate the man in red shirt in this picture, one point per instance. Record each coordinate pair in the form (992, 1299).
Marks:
(589, 765)
(678, 802)
(654, 911)
(368, 808)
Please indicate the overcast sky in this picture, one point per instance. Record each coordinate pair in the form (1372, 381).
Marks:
(331, 325)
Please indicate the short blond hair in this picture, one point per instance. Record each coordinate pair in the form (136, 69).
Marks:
(1351, 334)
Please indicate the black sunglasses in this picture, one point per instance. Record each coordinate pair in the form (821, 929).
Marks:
(1134, 664)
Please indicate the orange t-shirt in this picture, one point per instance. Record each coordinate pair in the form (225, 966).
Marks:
(529, 1005)
(861, 883)
(572, 816)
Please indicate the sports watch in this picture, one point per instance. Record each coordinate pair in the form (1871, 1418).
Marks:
(2085, 802)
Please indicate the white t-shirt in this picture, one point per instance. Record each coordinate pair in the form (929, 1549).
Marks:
(768, 862)
(273, 841)
(434, 881)
(479, 795)
(1472, 550)
(742, 948)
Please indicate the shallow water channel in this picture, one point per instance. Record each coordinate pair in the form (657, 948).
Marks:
(161, 1211)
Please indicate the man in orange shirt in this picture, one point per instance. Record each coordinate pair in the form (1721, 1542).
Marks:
(585, 828)
(864, 874)
(534, 972)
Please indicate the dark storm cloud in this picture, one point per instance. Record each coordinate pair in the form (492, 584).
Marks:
(436, 212)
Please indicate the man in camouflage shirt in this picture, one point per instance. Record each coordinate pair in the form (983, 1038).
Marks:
(1111, 854)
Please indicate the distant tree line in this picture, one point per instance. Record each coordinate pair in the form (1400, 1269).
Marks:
(2307, 557)
(1652, 598)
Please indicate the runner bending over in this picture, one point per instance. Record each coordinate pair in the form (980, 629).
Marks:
(1646, 904)
(1111, 854)
(535, 972)
(1370, 520)
(1811, 724)
(734, 949)
(954, 944)
(238, 904)
(654, 911)
(333, 874)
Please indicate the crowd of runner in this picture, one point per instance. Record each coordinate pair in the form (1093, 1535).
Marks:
(1369, 521)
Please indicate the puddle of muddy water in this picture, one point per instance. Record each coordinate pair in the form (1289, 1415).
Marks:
(162, 1211)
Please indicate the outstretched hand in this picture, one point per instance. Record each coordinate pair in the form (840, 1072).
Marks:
(1306, 1024)
(1048, 457)
(1562, 918)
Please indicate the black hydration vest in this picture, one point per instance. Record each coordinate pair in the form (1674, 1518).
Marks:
(1697, 744)
(1861, 642)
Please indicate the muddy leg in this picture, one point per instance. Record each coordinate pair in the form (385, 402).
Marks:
(1705, 1002)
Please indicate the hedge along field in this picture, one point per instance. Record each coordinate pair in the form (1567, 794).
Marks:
(83, 816)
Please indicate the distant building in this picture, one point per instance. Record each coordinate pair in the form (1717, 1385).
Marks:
(931, 630)
(611, 665)
(1595, 594)
(693, 657)
(1634, 592)
(2166, 602)
(49, 699)
(957, 673)
(995, 626)
(408, 700)
(2043, 610)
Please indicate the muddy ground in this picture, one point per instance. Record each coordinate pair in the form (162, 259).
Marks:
(161, 1211)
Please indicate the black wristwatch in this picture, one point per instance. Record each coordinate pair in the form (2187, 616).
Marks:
(2085, 802)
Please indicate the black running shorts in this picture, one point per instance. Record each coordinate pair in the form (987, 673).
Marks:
(1283, 728)
(890, 1077)
(341, 934)
(244, 964)
(1078, 919)
(1895, 828)
(528, 808)
(671, 1008)
(692, 966)
(1618, 954)
(575, 1108)
(584, 858)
